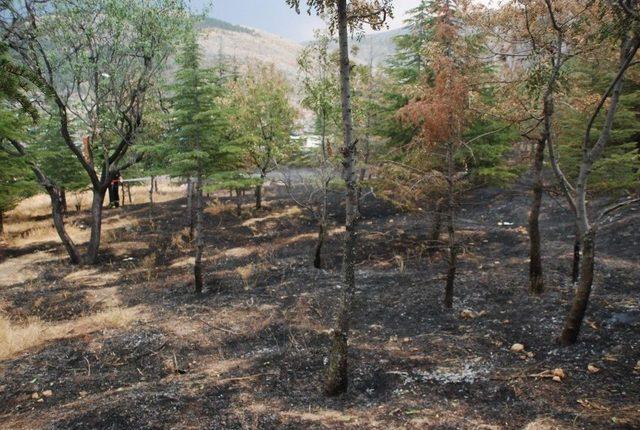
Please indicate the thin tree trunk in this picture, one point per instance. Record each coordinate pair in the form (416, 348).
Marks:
(238, 202)
(337, 374)
(199, 242)
(572, 324)
(190, 207)
(151, 190)
(575, 269)
(58, 222)
(451, 260)
(536, 279)
(1, 222)
(155, 185)
(434, 234)
(96, 227)
(317, 254)
(63, 199)
(322, 227)
(129, 193)
(259, 196)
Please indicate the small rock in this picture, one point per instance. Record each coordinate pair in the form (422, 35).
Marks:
(35, 395)
(591, 368)
(467, 314)
(47, 393)
(637, 367)
(558, 373)
(517, 347)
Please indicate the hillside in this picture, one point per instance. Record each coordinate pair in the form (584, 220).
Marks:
(246, 46)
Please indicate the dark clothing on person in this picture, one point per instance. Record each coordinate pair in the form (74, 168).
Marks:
(114, 195)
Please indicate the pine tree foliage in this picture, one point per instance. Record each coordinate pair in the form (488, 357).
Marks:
(199, 141)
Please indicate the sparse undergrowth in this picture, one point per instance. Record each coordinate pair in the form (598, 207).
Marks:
(128, 345)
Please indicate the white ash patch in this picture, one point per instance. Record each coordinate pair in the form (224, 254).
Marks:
(465, 373)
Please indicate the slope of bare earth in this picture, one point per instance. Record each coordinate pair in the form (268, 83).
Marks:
(126, 344)
(250, 47)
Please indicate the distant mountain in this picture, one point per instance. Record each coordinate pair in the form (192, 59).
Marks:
(377, 47)
(220, 39)
(244, 45)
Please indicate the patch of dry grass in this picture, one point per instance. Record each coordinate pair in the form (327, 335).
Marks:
(18, 337)
(25, 232)
(247, 275)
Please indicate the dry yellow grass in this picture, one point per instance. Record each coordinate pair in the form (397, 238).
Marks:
(15, 337)
(40, 205)
(246, 275)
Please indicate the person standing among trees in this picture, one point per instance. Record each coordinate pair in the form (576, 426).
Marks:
(114, 194)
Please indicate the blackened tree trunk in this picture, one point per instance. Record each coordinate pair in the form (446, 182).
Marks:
(434, 234)
(337, 374)
(451, 260)
(258, 196)
(575, 269)
(151, 187)
(238, 201)
(199, 241)
(572, 324)
(63, 199)
(536, 279)
(96, 226)
(317, 254)
(155, 185)
(1, 222)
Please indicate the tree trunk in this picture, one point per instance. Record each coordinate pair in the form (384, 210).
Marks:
(337, 374)
(536, 279)
(63, 200)
(153, 178)
(322, 225)
(575, 269)
(259, 196)
(129, 193)
(155, 185)
(578, 309)
(434, 235)
(238, 202)
(1, 222)
(199, 242)
(317, 255)
(190, 207)
(96, 227)
(451, 260)
(58, 222)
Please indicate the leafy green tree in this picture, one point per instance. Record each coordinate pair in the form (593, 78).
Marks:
(264, 120)
(95, 61)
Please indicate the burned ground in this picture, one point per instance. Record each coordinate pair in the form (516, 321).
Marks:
(250, 352)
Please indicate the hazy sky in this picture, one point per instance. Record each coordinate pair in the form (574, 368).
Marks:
(276, 17)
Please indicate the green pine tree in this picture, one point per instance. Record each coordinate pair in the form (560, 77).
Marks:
(199, 136)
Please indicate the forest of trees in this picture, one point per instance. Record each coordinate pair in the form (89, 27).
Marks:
(546, 92)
